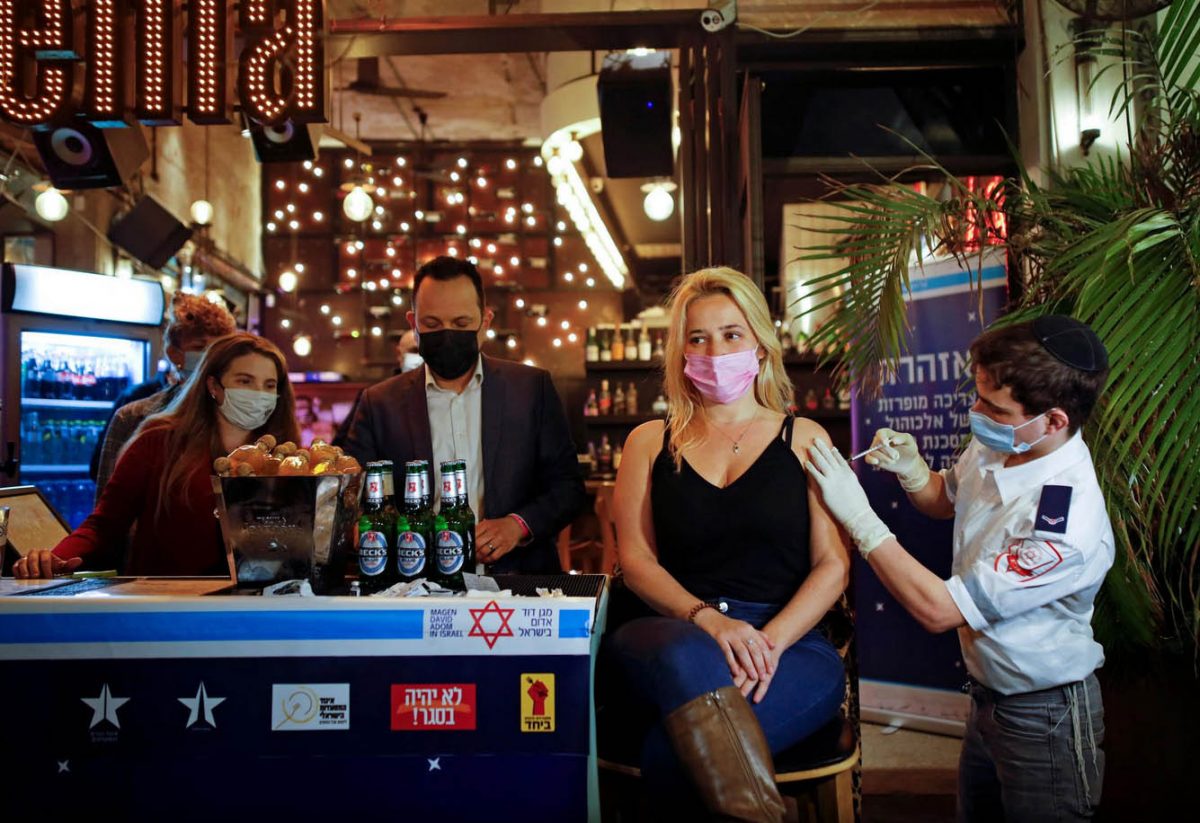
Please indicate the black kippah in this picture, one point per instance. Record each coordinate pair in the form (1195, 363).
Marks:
(1071, 342)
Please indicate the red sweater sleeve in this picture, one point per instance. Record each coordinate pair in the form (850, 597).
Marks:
(124, 497)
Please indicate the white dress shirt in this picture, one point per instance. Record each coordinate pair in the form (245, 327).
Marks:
(456, 428)
(1032, 544)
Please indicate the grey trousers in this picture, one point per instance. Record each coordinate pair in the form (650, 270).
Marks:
(1033, 757)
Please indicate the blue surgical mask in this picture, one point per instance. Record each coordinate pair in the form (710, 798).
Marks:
(1001, 437)
(248, 409)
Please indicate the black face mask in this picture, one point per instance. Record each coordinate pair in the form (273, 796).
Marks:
(449, 353)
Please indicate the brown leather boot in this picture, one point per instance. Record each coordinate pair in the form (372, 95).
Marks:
(720, 744)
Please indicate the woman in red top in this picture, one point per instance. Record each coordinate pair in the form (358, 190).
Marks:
(161, 483)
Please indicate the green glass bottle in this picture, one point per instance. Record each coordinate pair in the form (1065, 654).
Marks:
(376, 537)
(450, 552)
(463, 514)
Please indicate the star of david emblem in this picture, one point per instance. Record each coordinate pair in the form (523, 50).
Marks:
(490, 637)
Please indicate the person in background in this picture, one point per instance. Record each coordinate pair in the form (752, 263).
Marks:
(237, 393)
(722, 535)
(407, 359)
(192, 323)
(505, 419)
(1032, 545)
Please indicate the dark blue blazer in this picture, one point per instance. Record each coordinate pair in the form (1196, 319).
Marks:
(529, 463)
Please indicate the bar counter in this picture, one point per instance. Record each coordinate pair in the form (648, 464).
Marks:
(160, 704)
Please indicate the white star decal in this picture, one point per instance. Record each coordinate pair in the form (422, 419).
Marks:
(435, 764)
(895, 505)
(202, 702)
(64, 766)
(879, 606)
(970, 317)
(104, 707)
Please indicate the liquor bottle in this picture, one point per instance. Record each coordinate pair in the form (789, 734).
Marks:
(617, 459)
(631, 346)
(591, 351)
(464, 513)
(631, 399)
(658, 347)
(810, 400)
(389, 486)
(619, 400)
(827, 402)
(606, 455)
(644, 348)
(605, 401)
(376, 529)
(660, 405)
(618, 345)
(590, 407)
(606, 354)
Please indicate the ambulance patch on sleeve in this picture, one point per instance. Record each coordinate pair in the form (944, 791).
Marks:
(1053, 509)
(1027, 560)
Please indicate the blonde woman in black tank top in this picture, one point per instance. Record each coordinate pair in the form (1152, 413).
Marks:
(722, 535)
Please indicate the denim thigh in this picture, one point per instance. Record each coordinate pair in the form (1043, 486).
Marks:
(1045, 750)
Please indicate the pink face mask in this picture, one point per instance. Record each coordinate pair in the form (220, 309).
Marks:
(723, 378)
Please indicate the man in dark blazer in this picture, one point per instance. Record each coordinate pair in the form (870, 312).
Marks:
(505, 419)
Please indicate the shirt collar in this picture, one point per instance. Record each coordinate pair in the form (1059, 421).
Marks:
(476, 378)
(1015, 480)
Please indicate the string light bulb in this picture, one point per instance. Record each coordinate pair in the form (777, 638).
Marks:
(51, 206)
(202, 212)
(358, 204)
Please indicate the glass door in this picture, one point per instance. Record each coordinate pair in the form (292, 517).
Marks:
(69, 383)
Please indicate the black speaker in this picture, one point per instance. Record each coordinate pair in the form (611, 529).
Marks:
(77, 155)
(289, 142)
(635, 115)
(149, 232)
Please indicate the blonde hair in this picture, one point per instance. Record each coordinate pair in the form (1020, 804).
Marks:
(191, 316)
(191, 418)
(772, 387)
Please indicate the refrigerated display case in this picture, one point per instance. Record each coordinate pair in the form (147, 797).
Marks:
(66, 360)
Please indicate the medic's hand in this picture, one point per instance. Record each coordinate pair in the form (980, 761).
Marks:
(900, 457)
(844, 497)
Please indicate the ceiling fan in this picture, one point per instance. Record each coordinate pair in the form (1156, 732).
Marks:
(366, 81)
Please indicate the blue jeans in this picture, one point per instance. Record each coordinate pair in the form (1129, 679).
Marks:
(1034, 757)
(667, 662)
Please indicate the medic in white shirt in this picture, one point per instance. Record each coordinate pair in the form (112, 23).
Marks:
(1032, 544)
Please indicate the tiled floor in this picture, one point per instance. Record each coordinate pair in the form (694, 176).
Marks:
(908, 776)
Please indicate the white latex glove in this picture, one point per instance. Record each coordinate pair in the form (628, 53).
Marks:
(845, 498)
(900, 457)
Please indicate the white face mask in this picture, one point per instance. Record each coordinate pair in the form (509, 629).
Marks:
(248, 409)
(411, 360)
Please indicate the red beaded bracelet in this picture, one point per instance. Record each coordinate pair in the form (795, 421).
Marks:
(699, 607)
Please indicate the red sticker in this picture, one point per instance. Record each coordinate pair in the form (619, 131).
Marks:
(443, 707)
(1028, 560)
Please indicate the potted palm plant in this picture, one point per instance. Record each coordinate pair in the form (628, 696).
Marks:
(1116, 243)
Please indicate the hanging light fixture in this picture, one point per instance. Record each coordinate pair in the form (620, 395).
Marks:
(51, 206)
(288, 281)
(302, 345)
(357, 205)
(658, 203)
(202, 209)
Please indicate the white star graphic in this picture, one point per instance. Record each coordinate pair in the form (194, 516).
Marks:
(104, 707)
(879, 607)
(970, 317)
(64, 766)
(435, 764)
(202, 702)
(895, 505)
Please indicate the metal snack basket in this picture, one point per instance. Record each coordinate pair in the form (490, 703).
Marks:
(288, 528)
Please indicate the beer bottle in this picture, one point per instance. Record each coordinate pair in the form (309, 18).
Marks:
(389, 486)
(376, 530)
(426, 489)
(450, 553)
(464, 514)
(449, 499)
(412, 550)
(419, 517)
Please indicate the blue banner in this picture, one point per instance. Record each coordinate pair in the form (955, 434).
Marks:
(929, 397)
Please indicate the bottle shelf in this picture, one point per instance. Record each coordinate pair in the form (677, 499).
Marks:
(49, 403)
(619, 419)
(623, 365)
(60, 468)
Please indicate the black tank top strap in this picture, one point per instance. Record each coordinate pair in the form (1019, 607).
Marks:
(788, 422)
